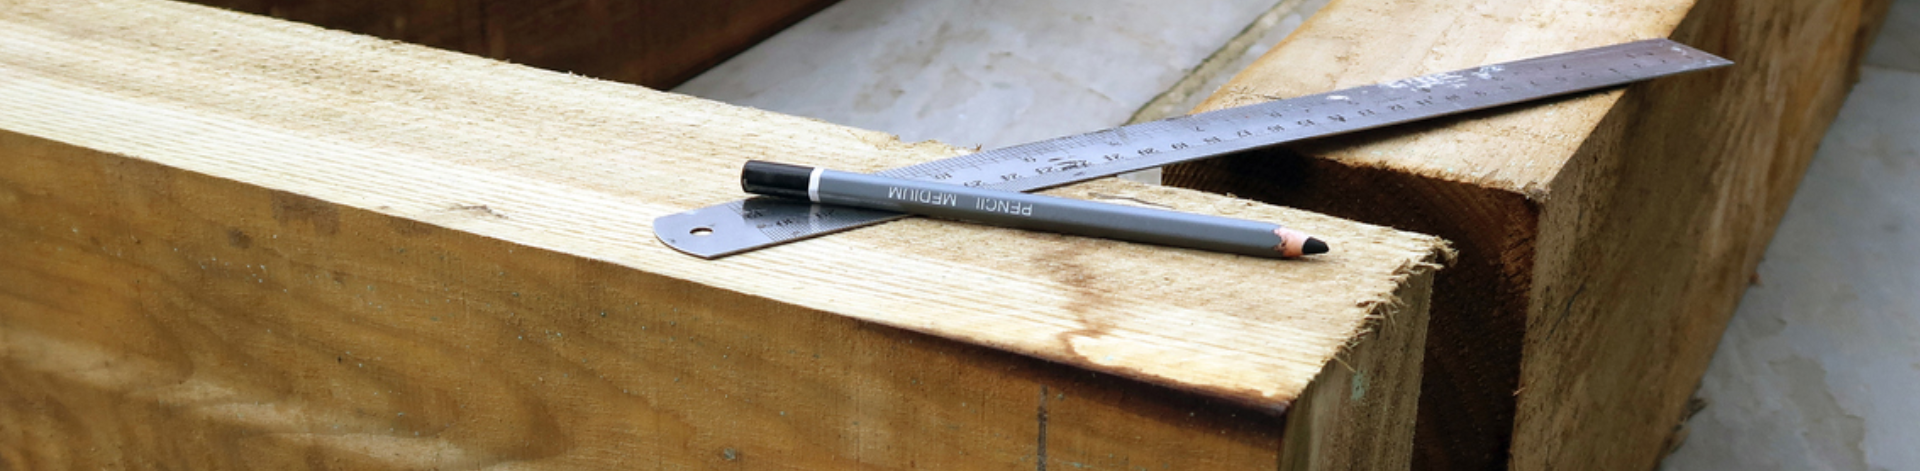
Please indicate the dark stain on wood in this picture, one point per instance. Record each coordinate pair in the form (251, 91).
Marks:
(1040, 448)
(479, 209)
(290, 209)
(239, 239)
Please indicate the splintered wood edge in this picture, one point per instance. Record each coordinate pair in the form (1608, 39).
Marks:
(1360, 412)
(581, 166)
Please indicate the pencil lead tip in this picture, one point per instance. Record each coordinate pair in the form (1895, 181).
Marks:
(1314, 246)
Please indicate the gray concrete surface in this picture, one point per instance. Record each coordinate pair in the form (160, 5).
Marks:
(988, 73)
(1820, 367)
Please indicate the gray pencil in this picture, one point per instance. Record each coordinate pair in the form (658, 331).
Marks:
(1029, 211)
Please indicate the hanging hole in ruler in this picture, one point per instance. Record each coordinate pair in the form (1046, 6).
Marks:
(701, 231)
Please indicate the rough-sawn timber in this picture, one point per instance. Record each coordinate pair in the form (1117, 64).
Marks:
(653, 43)
(1604, 240)
(237, 242)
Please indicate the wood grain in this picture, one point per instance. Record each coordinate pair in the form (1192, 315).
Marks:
(1605, 238)
(1660, 220)
(1360, 414)
(1470, 377)
(653, 43)
(250, 243)
(159, 317)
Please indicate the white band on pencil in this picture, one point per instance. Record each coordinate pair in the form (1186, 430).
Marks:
(813, 185)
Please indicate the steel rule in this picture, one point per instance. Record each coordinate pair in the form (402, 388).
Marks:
(754, 223)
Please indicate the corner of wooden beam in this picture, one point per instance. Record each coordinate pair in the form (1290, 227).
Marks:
(1604, 237)
(290, 243)
(1359, 413)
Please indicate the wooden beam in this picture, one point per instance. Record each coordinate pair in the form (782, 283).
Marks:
(1605, 239)
(246, 243)
(655, 43)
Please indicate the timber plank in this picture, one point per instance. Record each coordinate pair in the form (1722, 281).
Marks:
(278, 331)
(655, 43)
(1605, 238)
(249, 243)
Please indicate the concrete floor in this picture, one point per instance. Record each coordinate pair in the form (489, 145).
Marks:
(988, 73)
(1819, 369)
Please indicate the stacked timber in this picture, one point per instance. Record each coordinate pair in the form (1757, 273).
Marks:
(239, 242)
(1604, 239)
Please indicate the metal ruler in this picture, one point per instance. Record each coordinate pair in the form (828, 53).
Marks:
(749, 224)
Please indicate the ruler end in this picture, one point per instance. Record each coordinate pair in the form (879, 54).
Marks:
(718, 231)
(706, 233)
(1703, 59)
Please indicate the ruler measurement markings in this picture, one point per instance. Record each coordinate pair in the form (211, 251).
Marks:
(1060, 161)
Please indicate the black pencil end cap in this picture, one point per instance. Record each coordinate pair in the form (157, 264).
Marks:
(772, 179)
(1314, 246)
